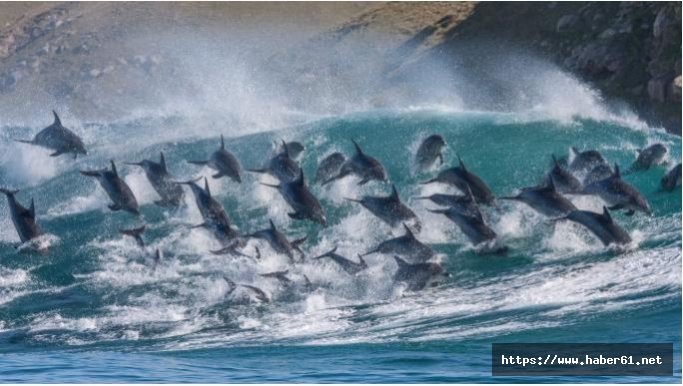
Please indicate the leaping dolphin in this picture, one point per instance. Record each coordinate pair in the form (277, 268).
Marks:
(24, 219)
(564, 181)
(545, 200)
(586, 160)
(619, 194)
(301, 200)
(213, 213)
(462, 178)
(282, 166)
(135, 233)
(406, 245)
(389, 209)
(418, 276)
(329, 167)
(671, 179)
(349, 266)
(464, 203)
(361, 165)
(260, 295)
(430, 151)
(58, 138)
(648, 157)
(161, 180)
(473, 227)
(278, 241)
(224, 162)
(116, 188)
(600, 224)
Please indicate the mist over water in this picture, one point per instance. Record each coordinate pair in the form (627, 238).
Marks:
(97, 292)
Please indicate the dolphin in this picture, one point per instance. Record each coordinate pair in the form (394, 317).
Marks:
(418, 276)
(545, 200)
(213, 213)
(462, 178)
(278, 241)
(361, 165)
(429, 151)
(58, 138)
(282, 166)
(301, 200)
(281, 276)
(135, 233)
(464, 203)
(158, 176)
(116, 188)
(389, 209)
(601, 224)
(24, 219)
(329, 167)
(599, 172)
(473, 227)
(619, 194)
(586, 160)
(351, 267)
(564, 181)
(406, 245)
(224, 163)
(258, 293)
(650, 156)
(672, 179)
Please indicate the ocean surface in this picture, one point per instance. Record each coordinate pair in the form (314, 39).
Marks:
(95, 310)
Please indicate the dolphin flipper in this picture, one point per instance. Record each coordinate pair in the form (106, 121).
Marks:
(114, 207)
(217, 175)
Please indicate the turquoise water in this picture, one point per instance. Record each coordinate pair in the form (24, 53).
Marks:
(94, 310)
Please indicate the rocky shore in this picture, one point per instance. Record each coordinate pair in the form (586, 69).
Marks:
(75, 53)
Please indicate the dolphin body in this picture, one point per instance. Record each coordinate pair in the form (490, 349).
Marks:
(600, 224)
(135, 233)
(671, 179)
(278, 241)
(258, 293)
(213, 213)
(586, 160)
(224, 162)
(545, 200)
(463, 179)
(361, 165)
(389, 209)
(301, 200)
(350, 266)
(564, 181)
(418, 276)
(116, 188)
(619, 194)
(58, 138)
(406, 245)
(473, 227)
(282, 166)
(430, 151)
(465, 203)
(650, 156)
(329, 167)
(24, 219)
(161, 180)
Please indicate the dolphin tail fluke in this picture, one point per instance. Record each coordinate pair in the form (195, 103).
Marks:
(326, 254)
(9, 192)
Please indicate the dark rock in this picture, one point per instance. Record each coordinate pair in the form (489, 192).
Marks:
(656, 90)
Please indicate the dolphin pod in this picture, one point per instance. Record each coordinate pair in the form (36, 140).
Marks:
(415, 265)
(58, 138)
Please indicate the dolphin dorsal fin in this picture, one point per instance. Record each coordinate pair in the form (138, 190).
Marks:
(400, 262)
(462, 165)
(57, 121)
(358, 149)
(606, 214)
(617, 173)
(162, 161)
(32, 209)
(575, 150)
(206, 186)
(394, 193)
(272, 224)
(113, 168)
(408, 231)
(222, 142)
